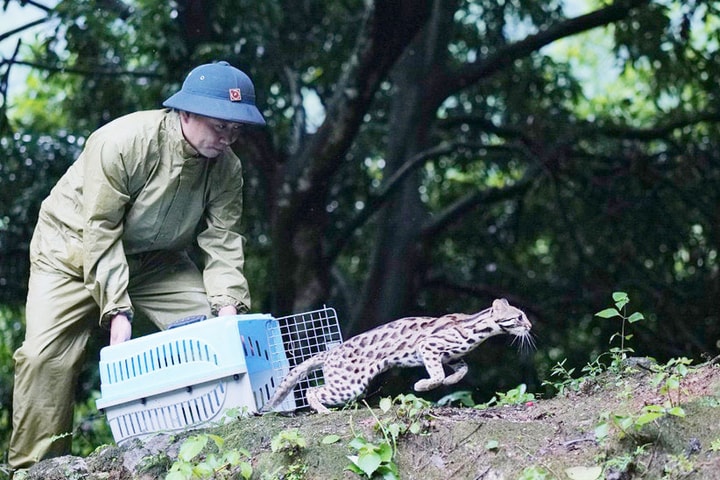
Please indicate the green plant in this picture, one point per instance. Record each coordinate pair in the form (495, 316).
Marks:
(196, 460)
(408, 416)
(232, 414)
(622, 465)
(628, 425)
(159, 462)
(373, 460)
(535, 473)
(514, 396)
(492, 445)
(463, 397)
(669, 378)
(677, 466)
(566, 380)
(402, 414)
(294, 471)
(621, 300)
(618, 354)
(289, 442)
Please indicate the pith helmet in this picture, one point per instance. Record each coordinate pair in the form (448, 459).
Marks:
(218, 90)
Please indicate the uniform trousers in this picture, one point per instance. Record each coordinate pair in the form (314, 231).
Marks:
(60, 317)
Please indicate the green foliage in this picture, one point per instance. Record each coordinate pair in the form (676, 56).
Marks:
(626, 425)
(616, 425)
(668, 381)
(627, 461)
(30, 165)
(492, 445)
(373, 460)
(584, 473)
(515, 396)
(91, 429)
(289, 442)
(715, 445)
(619, 354)
(199, 458)
(535, 473)
(12, 332)
(462, 397)
(566, 380)
(669, 378)
(678, 466)
(401, 415)
(405, 413)
(330, 439)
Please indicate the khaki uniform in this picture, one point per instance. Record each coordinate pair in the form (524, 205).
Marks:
(112, 237)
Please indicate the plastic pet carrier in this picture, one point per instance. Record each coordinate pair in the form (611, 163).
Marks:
(197, 373)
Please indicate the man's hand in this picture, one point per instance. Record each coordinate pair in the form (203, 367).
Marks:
(227, 310)
(120, 329)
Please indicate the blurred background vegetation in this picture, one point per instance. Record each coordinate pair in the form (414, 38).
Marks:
(421, 157)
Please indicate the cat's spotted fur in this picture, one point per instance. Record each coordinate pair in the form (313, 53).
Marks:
(407, 342)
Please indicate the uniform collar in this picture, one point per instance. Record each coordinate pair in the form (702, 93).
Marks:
(186, 150)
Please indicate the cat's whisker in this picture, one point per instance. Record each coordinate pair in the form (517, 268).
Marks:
(527, 344)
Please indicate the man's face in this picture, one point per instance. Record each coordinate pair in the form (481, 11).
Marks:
(209, 136)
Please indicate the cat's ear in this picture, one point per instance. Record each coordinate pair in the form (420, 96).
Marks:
(500, 304)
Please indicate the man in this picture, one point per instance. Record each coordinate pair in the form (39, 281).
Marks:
(112, 239)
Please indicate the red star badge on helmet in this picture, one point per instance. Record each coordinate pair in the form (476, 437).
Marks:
(235, 95)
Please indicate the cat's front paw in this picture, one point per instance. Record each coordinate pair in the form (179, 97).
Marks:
(454, 378)
(426, 384)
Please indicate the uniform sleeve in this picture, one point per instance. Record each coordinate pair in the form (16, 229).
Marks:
(222, 243)
(105, 196)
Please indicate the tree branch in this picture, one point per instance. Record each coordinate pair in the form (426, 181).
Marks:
(36, 5)
(658, 131)
(82, 71)
(388, 29)
(473, 200)
(298, 124)
(506, 55)
(483, 123)
(22, 28)
(378, 199)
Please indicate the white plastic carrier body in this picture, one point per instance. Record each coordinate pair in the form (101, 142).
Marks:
(190, 376)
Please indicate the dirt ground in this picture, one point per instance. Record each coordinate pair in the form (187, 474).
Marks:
(538, 439)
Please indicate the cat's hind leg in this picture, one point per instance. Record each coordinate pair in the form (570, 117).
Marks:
(312, 396)
(334, 393)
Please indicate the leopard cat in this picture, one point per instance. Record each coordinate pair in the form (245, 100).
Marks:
(408, 342)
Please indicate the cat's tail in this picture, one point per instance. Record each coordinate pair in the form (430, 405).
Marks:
(291, 379)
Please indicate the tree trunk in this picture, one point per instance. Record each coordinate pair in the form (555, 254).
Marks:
(302, 269)
(397, 262)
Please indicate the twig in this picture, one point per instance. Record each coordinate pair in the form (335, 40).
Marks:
(578, 440)
(466, 437)
(483, 474)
